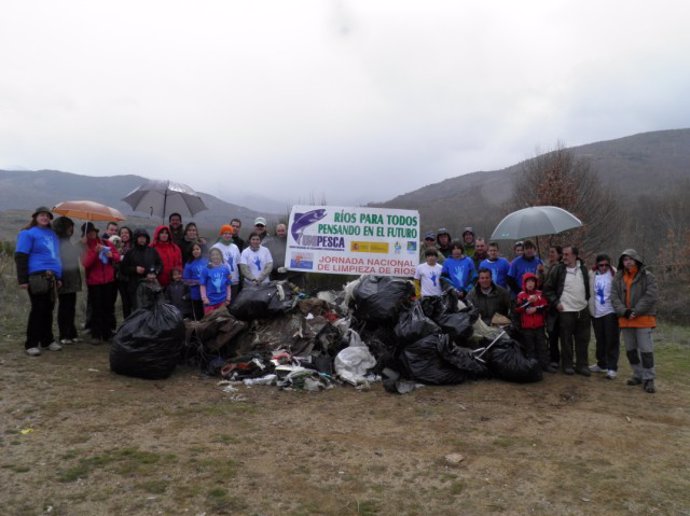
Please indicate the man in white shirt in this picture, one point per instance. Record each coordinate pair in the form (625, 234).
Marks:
(567, 289)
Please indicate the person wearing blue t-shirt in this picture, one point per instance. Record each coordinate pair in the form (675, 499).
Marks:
(528, 262)
(191, 276)
(498, 266)
(459, 269)
(215, 282)
(39, 271)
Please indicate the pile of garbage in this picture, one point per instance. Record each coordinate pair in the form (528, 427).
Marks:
(372, 330)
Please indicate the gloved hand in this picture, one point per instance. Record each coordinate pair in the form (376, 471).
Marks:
(282, 270)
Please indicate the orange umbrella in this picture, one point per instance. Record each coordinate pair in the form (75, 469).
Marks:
(88, 210)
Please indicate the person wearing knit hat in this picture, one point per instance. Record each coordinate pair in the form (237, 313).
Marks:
(231, 256)
(468, 241)
(226, 228)
(444, 240)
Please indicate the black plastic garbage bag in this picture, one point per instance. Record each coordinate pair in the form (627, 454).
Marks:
(379, 298)
(149, 342)
(507, 362)
(436, 360)
(434, 306)
(262, 302)
(413, 325)
(458, 325)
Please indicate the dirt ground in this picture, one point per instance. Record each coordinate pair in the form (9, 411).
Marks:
(77, 439)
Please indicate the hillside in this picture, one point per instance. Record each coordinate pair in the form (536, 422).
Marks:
(649, 163)
(653, 164)
(24, 190)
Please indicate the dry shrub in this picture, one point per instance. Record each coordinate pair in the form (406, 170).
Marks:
(672, 271)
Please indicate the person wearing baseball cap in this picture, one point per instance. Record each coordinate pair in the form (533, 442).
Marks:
(429, 242)
(260, 227)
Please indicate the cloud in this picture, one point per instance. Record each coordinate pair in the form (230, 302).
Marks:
(351, 100)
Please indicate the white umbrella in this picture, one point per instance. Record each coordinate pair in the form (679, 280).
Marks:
(535, 221)
(161, 197)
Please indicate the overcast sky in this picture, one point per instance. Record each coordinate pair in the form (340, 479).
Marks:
(351, 101)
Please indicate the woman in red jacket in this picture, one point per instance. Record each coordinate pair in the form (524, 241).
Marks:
(170, 254)
(98, 258)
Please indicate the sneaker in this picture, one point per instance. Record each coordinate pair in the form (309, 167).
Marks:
(33, 352)
(554, 365)
(633, 381)
(568, 371)
(75, 340)
(66, 341)
(596, 369)
(611, 374)
(54, 346)
(649, 386)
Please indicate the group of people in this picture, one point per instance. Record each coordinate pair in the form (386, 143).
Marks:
(553, 304)
(197, 276)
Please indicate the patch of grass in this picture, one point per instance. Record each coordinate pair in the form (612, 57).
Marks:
(367, 507)
(221, 408)
(70, 454)
(154, 486)
(673, 362)
(16, 468)
(504, 441)
(227, 439)
(456, 488)
(216, 469)
(221, 501)
(127, 461)
(74, 473)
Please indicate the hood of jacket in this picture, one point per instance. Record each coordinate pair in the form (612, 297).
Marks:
(157, 233)
(61, 225)
(632, 254)
(530, 275)
(140, 232)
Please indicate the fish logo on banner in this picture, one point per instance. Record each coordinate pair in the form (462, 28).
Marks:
(302, 221)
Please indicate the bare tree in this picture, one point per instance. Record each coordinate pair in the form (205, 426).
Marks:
(558, 178)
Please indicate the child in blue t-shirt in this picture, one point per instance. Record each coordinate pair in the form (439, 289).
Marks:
(498, 266)
(191, 275)
(459, 269)
(214, 282)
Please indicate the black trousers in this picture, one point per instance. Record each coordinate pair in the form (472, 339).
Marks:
(534, 345)
(39, 328)
(123, 289)
(554, 351)
(67, 307)
(197, 309)
(608, 337)
(103, 310)
(575, 328)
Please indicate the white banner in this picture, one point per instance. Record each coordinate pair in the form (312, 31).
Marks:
(337, 240)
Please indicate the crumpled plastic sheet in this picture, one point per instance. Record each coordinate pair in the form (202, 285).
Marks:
(353, 363)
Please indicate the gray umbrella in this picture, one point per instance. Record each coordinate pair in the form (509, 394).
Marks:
(157, 198)
(535, 221)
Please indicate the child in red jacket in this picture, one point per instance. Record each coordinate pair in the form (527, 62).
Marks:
(531, 305)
